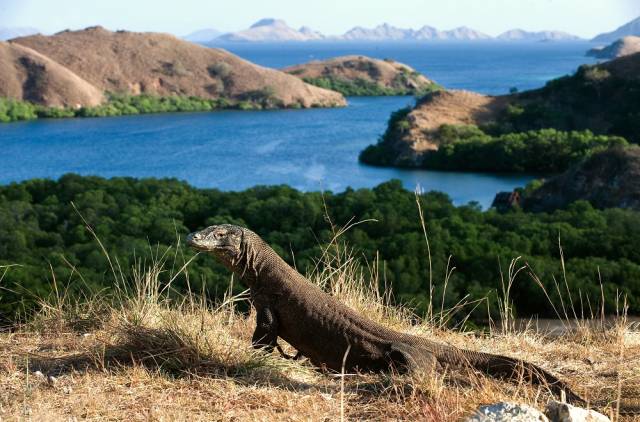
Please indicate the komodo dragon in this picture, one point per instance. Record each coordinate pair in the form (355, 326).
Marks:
(325, 330)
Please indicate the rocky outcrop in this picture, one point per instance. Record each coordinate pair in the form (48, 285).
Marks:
(554, 412)
(607, 179)
(507, 412)
(622, 47)
(563, 412)
(27, 75)
(161, 64)
(387, 76)
(630, 28)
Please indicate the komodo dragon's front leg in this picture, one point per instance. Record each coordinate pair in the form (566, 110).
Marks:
(265, 335)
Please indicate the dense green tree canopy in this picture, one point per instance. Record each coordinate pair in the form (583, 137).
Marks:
(44, 235)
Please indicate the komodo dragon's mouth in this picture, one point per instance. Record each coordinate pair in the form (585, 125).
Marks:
(191, 241)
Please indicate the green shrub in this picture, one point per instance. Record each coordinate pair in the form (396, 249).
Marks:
(125, 104)
(360, 87)
(467, 148)
(382, 153)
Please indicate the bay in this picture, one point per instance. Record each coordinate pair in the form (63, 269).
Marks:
(313, 149)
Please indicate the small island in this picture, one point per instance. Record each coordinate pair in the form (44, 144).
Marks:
(363, 76)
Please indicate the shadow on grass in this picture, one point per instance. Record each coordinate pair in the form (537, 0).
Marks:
(168, 353)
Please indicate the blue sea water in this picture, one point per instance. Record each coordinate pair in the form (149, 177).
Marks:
(488, 67)
(308, 149)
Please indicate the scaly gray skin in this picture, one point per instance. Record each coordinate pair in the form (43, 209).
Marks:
(321, 328)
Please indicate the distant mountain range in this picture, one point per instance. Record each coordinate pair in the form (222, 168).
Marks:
(7, 33)
(522, 35)
(272, 30)
(203, 35)
(386, 32)
(630, 28)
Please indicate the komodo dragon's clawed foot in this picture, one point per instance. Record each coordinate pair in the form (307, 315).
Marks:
(297, 356)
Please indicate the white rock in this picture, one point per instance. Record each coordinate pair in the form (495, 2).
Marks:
(563, 412)
(38, 374)
(507, 412)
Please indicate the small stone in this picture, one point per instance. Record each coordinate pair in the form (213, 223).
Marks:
(563, 412)
(52, 380)
(38, 374)
(67, 390)
(507, 412)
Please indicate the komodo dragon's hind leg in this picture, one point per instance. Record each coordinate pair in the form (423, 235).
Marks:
(404, 358)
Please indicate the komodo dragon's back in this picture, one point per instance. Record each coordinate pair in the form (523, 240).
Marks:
(331, 334)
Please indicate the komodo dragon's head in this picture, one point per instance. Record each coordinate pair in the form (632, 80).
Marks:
(237, 248)
(222, 239)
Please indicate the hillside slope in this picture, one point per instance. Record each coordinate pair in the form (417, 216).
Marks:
(608, 179)
(622, 47)
(27, 75)
(359, 75)
(603, 98)
(161, 64)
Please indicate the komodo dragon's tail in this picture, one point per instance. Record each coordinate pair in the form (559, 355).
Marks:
(505, 367)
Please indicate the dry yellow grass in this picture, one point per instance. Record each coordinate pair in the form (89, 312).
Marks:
(141, 356)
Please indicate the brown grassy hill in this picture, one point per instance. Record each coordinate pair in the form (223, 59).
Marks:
(608, 179)
(449, 108)
(28, 75)
(161, 64)
(389, 75)
(413, 132)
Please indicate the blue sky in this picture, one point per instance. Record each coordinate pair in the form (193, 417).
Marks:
(581, 17)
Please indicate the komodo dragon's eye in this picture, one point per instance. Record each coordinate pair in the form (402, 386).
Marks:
(219, 235)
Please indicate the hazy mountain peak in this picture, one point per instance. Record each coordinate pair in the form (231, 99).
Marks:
(270, 22)
(630, 28)
(270, 29)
